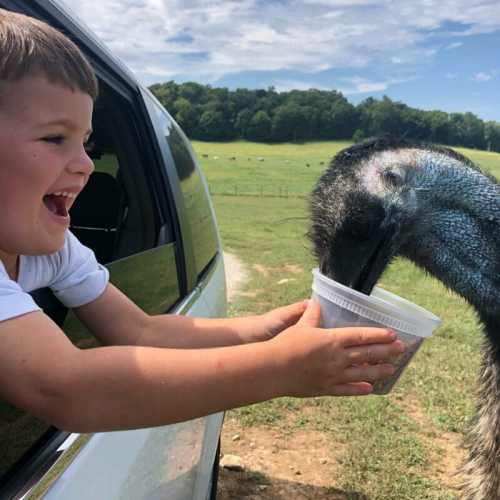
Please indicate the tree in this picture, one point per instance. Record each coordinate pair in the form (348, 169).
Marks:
(289, 123)
(492, 136)
(338, 121)
(193, 92)
(474, 131)
(212, 126)
(439, 128)
(259, 127)
(413, 124)
(385, 118)
(208, 113)
(358, 135)
(243, 121)
(186, 115)
(166, 93)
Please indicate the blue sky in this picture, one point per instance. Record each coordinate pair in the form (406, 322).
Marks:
(430, 54)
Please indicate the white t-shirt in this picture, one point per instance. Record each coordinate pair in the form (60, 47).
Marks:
(72, 273)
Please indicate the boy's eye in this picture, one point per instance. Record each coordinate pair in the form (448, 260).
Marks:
(55, 139)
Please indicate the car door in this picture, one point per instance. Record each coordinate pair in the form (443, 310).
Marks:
(205, 275)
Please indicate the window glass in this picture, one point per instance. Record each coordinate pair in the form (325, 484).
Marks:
(99, 211)
(193, 186)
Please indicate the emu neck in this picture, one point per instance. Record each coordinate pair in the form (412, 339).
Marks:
(492, 331)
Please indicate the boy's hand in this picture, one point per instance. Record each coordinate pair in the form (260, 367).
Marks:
(336, 361)
(269, 324)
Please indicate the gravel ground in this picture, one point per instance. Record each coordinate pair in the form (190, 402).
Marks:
(236, 275)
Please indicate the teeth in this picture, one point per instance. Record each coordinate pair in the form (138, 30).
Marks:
(64, 193)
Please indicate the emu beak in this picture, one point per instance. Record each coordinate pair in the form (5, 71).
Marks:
(380, 253)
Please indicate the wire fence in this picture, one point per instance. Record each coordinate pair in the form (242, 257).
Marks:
(260, 191)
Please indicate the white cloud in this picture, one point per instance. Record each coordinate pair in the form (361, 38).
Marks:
(454, 45)
(484, 76)
(359, 85)
(286, 85)
(451, 76)
(364, 87)
(204, 40)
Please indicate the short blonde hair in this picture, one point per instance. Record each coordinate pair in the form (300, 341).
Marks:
(31, 48)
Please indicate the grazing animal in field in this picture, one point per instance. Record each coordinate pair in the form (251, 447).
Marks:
(386, 197)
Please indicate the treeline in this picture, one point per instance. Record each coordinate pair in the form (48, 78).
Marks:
(218, 114)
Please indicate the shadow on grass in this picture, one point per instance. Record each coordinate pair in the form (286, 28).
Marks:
(253, 485)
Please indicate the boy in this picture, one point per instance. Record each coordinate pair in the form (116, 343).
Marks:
(47, 90)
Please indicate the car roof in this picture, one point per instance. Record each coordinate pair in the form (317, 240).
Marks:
(60, 16)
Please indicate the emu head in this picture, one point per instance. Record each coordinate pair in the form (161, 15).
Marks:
(384, 198)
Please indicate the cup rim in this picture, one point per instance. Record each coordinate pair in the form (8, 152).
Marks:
(420, 324)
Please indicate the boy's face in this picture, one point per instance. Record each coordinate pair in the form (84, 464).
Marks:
(43, 128)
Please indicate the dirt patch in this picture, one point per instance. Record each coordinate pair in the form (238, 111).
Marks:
(251, 293)
(236, 275)
(293, 269)
(449, 453)
(264, 270)
(448, 468)
(250, 485)
(279, 465)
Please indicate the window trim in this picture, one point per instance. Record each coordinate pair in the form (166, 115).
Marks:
(36, 461)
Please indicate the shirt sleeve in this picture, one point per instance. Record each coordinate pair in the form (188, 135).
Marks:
(81, 279)
(14, 301)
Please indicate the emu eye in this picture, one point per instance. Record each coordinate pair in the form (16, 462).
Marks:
(392, 179)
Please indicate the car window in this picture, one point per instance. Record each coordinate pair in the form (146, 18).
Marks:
(202, 220)
(200, 216)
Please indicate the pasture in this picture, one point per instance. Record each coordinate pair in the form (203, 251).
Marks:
(407, 445)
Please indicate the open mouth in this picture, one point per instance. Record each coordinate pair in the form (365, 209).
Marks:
(58, 204)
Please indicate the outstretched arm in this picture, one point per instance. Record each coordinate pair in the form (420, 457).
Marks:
(125, 387)
(116, 320)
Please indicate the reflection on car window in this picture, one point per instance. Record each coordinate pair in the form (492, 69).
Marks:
(202, 223)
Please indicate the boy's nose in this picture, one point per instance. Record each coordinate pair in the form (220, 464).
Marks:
(81, 164)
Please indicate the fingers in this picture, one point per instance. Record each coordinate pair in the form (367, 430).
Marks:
(290, 314)
(367, 373)
(348, 337)
(295, 309)
(312, 315)
(354, 389)
(375, 353)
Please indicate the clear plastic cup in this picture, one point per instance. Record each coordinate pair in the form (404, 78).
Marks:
(343, 306)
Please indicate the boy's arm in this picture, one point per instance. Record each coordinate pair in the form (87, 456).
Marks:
(116, 320)
(124, 387)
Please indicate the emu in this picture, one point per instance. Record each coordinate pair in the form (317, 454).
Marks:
(389, 197)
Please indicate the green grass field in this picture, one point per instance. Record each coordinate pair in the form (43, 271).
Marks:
(393, 447)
